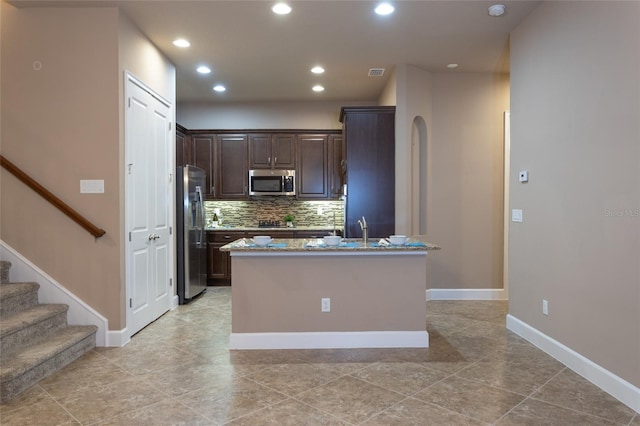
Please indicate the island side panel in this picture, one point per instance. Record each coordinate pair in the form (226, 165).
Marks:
(368, 293)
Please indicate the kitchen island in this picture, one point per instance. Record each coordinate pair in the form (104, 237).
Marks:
(301, 294)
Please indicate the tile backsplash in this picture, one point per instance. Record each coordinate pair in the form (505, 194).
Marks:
(248, 213)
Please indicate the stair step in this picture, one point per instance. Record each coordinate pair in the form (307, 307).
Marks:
(15, 297)
(31, 325)
(34, 363)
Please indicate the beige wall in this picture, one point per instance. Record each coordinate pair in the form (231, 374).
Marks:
(575, 103)
(463, 114)
(364, 293)
(414, 98)
(263, 115)
(465, 179)
(61, 124)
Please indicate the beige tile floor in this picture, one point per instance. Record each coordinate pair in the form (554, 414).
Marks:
(180, 371)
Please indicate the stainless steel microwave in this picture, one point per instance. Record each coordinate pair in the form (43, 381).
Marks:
(272, 182)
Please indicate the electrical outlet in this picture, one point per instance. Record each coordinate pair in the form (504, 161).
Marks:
(545, 307)
(326, 304)
(320, 211)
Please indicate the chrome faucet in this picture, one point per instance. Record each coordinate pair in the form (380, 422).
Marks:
(365, 230)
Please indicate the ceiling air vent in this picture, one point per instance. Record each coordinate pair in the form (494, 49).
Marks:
(376, 72)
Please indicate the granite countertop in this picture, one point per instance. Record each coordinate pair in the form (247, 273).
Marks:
(327, 228)
(416, 243)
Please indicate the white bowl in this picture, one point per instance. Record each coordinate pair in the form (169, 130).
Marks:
(398, 240)
(332, 240)
(261, 240)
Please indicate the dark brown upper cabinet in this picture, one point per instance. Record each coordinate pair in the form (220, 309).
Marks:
(312, 173)
(369, 138)
(203, 157)
(232, 172)
(337, 169)
(272, 151)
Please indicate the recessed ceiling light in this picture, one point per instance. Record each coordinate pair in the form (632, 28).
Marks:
(180, 42)
(318, 88)
(219, 88)
(317, 70)
(384, 9)
(497, 10)
(203, 69)
(452, 66)
(281, 9)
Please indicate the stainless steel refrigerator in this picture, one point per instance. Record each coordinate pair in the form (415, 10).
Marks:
(190, 235)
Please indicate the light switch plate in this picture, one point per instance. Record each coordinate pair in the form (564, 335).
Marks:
(95, 186)
(516, 215)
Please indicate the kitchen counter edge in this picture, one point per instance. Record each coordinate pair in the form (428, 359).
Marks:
(300, 245)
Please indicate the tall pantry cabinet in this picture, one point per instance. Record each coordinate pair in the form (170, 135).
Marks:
(369, 144)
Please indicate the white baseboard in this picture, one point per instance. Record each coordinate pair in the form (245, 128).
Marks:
(175, 301)
(118, 338)
(617, 387)
(330, 340)
(466, 294)
(51, 291)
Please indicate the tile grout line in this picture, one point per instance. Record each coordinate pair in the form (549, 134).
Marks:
(59, 404)
(527, 397)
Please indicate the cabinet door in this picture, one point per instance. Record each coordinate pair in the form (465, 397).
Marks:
(180, 148)
(259, 151)
(218, 262)
(203, 154)
(370, 141)
(336, 174)
(272, 151)
(283, 151)
(232, 165)
(312, 171)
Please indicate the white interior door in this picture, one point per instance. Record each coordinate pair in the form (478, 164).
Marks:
(148, 205)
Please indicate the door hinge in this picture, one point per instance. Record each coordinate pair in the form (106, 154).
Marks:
(169, 125)
(129, 236)
(131, 303)
(171, 230)
(170, 282)
(129, 101)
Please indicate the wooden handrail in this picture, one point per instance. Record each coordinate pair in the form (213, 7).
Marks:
(47, 195)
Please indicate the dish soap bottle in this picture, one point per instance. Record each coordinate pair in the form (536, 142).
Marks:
(215, 220)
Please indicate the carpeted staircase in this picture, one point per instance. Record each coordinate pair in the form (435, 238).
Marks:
(35, 340)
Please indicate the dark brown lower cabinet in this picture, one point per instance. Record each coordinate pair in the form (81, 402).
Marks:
(219, 262)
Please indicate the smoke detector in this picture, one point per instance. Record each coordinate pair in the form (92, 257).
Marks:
(497, 10)
(376, 72)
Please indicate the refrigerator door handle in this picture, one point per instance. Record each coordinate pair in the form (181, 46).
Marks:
(200, 222)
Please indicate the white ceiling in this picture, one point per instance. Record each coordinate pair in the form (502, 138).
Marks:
(260, 56)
